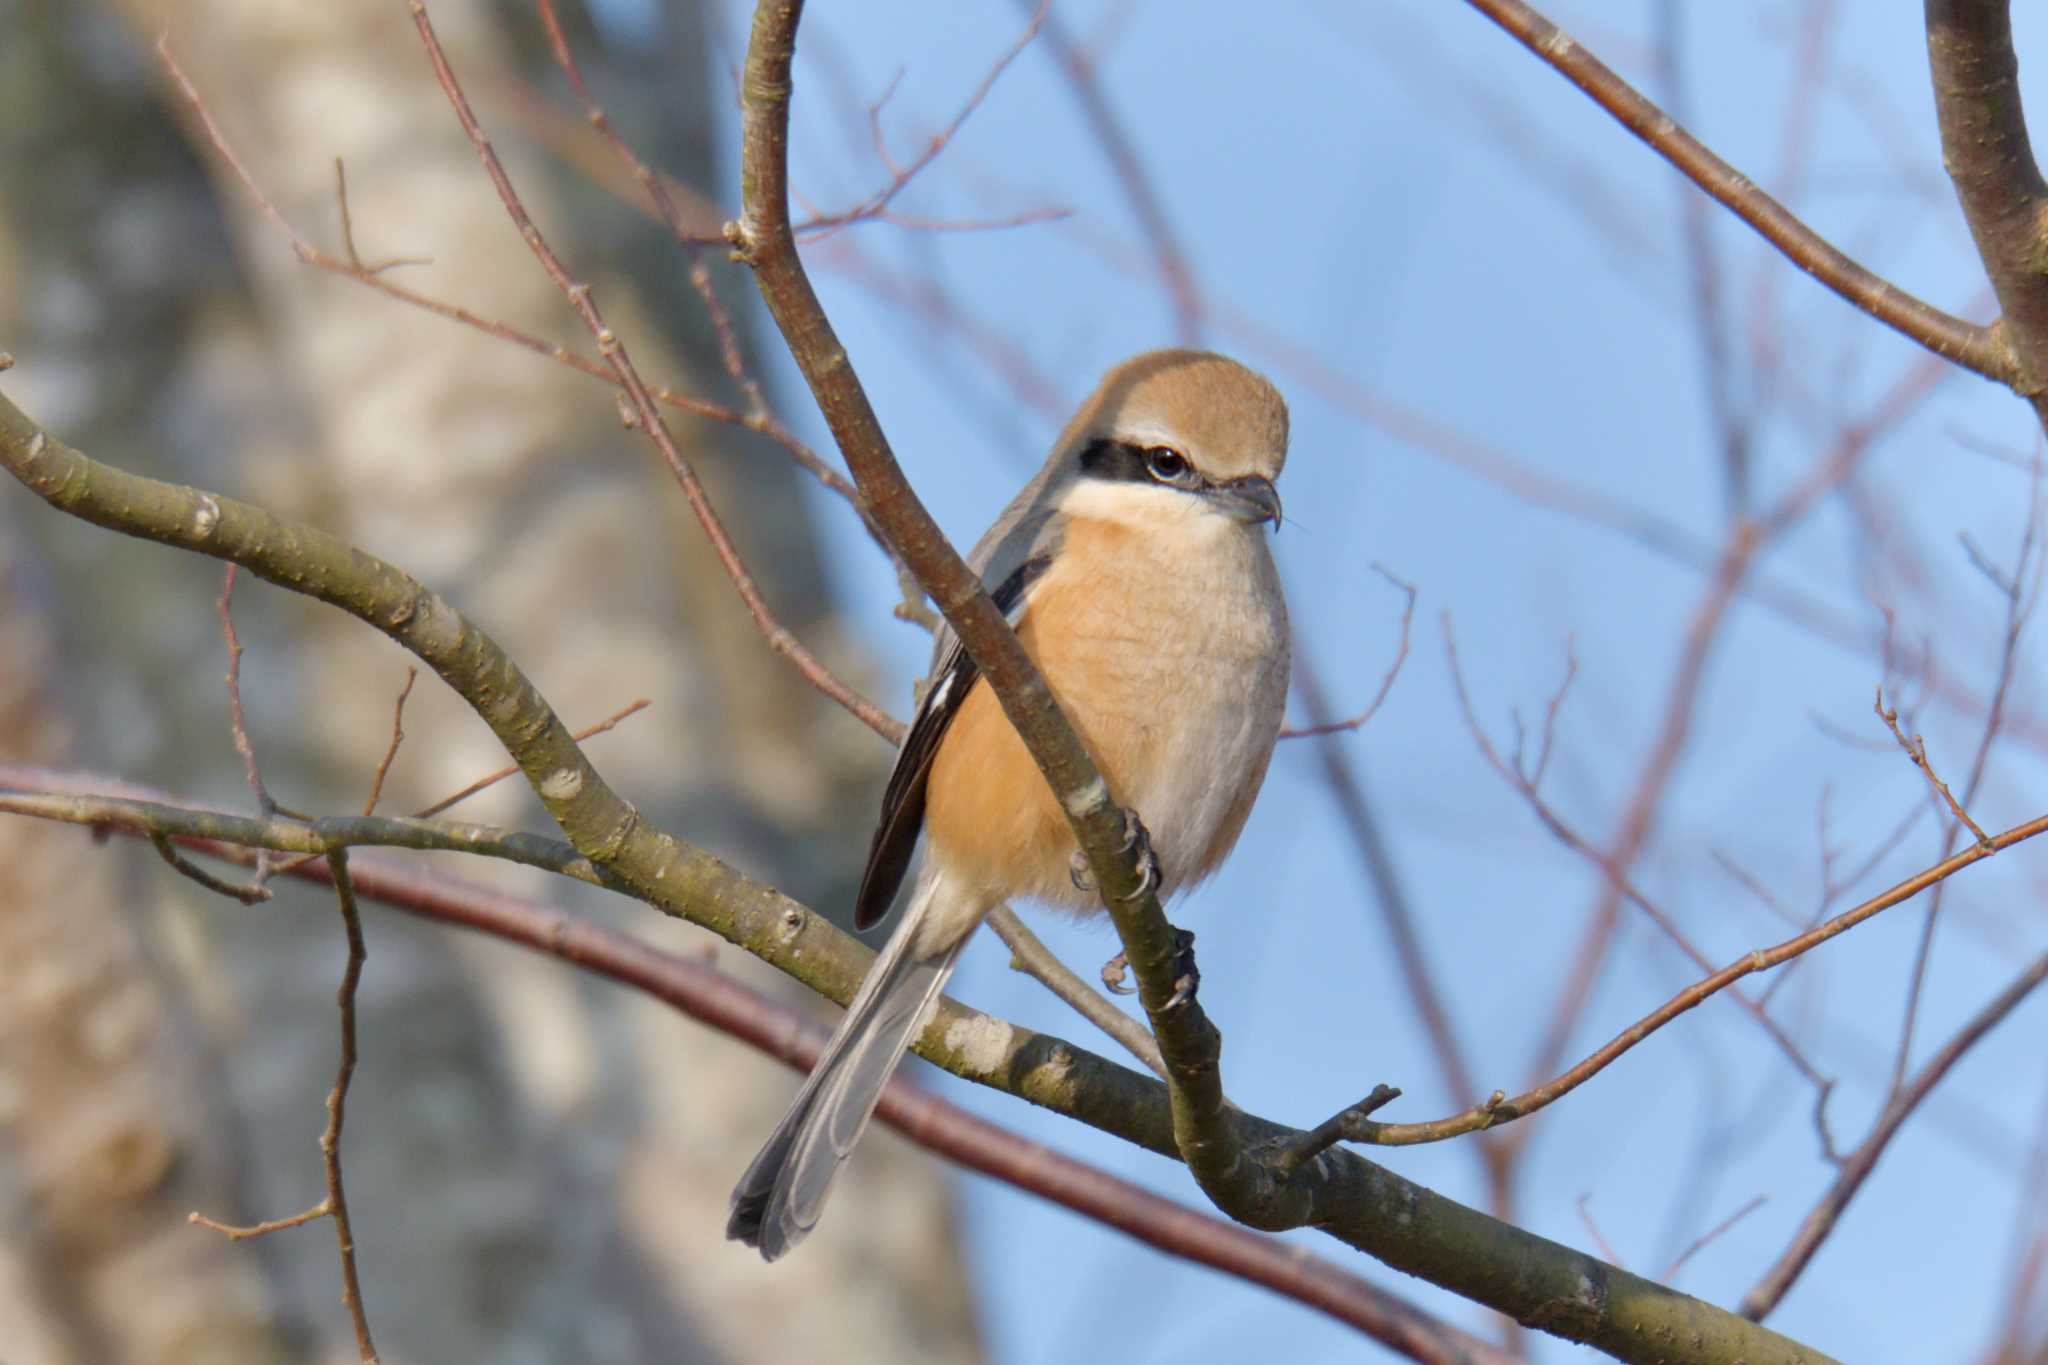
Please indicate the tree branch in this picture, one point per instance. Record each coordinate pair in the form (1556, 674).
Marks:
(697, 988)
(1857, 1165)
(1405, 1225)
(1983, 349)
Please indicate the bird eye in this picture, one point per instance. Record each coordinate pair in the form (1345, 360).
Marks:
(1166, 464)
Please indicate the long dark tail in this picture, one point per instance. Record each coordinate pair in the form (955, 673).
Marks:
(778, 1200)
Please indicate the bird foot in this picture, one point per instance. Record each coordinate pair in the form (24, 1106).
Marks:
(1187, 977)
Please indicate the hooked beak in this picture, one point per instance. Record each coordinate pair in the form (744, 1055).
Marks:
(1251, 499)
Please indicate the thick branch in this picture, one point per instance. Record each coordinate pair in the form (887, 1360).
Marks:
(1403, 1224)
(1985, 148)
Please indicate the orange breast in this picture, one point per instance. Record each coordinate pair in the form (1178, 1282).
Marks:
(1126, 645)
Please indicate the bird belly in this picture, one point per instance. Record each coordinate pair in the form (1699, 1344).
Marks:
(1174, 675)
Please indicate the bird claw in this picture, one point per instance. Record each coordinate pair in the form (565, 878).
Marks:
(1136, 836)
(1113, 973)
(1187, 977)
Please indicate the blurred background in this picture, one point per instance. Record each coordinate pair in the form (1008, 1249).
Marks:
(1534, 375)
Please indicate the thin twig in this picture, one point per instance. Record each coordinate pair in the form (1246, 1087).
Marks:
(1585, 1202)
(877, 204)
(337, 1100)
(1916, 749)
(1700, 1242)
(1390, 896)
(511, 770)
(1028, 954)
(335, 1203)
(1621, 887)
(251, 772)
(248, 893)
(2020, 598)
(1346, 1125)
(412, 675)
(1858, 1164)
(1165, 253)
(1386, 681)
(242, 1232)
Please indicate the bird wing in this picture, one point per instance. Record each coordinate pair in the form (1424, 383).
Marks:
(953, 677)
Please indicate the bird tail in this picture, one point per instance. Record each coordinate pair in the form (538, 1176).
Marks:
(778, 1200)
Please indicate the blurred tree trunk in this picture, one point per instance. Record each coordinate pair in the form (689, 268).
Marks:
(538, 1166)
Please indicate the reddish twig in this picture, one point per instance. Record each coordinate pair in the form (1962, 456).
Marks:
(412, 675)
(1619, 885)
(1331, 727)
(2020, 599)
(876, 205)
(1733, 420)
(1500, 1109)
(1607, 1250)
(1916, 749)
(1700, 1242)
(501, 774)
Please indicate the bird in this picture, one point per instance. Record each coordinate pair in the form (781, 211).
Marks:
(1135, 569)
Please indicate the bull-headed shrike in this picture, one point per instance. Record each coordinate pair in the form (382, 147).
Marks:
(1135, 570)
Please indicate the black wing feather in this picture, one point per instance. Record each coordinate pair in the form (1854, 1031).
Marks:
(903, 799)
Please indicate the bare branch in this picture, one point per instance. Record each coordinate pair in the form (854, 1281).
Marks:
(1858, 1164)
(1977, 348)
(492, 779)
(1916, 749)
(1028, 954)
(1331, 727)
(250, 771)
(412, 676)
(694, 986)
